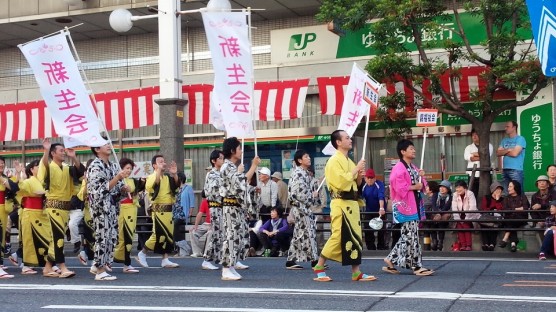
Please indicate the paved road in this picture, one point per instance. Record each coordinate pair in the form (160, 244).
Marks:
(460, 284)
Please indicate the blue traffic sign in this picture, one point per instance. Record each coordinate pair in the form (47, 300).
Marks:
(543, 22)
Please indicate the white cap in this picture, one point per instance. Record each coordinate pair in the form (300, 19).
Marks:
(264, 170)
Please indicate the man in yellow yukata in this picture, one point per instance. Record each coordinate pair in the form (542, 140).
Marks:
(345, 244)
(58, 180)
(161, 188)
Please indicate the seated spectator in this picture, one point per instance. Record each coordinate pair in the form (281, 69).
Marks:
(547, 247)
(541, 201)
(492, 202)
(275, 234)
(518, 202)
(464, 202)
(441, 203)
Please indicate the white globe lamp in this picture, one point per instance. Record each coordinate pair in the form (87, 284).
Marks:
(219, 5)
(120, 20)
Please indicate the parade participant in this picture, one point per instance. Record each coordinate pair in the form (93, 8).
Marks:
(303, 246)
(58, 178)
(213, 181)
(75, 217)
(345, 244)
(161, 188)
(7, 191)
(88, 240)
(232, 190)
(127, 219)
(406, 185)
(34, 223)
(105, 188)
(318, 206)
(203, 229)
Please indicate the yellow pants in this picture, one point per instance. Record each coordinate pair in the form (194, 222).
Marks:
(127, 223)
(344, 244)
(58, 223)
(36, 235)
(162, 238)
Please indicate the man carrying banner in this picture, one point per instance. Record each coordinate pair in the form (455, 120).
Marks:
(105, 188)
(232, 191)
(213, 181)
(344, 244)
(406, 185)
(58, 179)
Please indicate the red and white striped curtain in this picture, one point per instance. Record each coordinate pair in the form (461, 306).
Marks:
(130, 109)
(332, 89)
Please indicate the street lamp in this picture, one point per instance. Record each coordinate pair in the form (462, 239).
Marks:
(171, 102)
(219, 5)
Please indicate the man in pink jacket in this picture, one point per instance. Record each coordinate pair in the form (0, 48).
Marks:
(406, 187)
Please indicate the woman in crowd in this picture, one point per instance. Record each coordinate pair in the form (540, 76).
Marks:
(547, 247)
(491, 202)
(303, 246)
(127, 219)
(518, 202)
(464, 203)
(441, 205)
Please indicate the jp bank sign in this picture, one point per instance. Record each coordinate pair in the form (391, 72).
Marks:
(302, 44)
(299, 45)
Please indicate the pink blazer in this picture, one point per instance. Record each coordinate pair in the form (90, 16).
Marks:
(400, 184)
(469, 203)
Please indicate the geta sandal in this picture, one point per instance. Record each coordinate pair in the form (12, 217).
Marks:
(423, 272)
(391, 270)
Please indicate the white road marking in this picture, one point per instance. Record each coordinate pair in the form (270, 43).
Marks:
(530, 273)
(266, 291)
(439, 258)
(146, 308)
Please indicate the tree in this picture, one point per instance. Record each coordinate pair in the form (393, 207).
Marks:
(507, 54)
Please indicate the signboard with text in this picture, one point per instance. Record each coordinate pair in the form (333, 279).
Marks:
(536, 125)
(314, 43)
(302, 44)
(427, 117)
(452, 120)
(543, 23)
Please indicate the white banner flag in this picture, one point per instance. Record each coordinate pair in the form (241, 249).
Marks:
(227, 35)
(356, 103)
(63, 90)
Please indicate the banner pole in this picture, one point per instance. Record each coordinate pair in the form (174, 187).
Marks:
(321, 183)
(51, 34)
(251, 105)
(242, 149)
(366, 132)
(423, 149)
